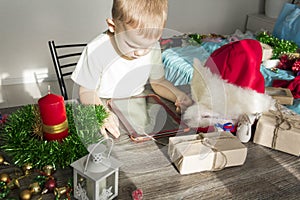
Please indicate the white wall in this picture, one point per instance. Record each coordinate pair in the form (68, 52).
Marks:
(27, 25)
(211, 16)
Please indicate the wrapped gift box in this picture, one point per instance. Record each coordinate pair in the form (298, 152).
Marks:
(206, 152)
(279, 130)
(282, 95)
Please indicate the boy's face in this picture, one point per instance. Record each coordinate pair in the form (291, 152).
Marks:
(131, 43)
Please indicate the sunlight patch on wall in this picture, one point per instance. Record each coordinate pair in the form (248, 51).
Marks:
(34, 78)
(2, 77)
(35, 75)
(1, 96)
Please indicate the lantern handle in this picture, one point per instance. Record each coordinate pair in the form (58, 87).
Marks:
(95, 146)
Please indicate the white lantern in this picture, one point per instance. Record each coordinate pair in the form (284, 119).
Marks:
(96, 174)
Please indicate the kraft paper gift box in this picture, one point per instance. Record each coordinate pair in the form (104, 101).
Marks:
(282, 95)
(206, 152)
(279, 130)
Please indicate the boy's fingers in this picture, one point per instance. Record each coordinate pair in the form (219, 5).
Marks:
(103, 132)
(114, 131)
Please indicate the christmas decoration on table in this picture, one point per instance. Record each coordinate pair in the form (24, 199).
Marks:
(282, 95)
(267, 52)
(280, 46)
(23, 138)
(228, 86)
(137, 194)
(291, 62)
(53, 116)
(206, 152)
(4, 190)
(175, 41)
(195, 38)
(41, 185)
(3, 161)
(279, 129)
(27, 169)
(96, 174)
(7, 183)
(3, 119)
(49, 186)
(292, 85)
(189, 39)
(228, 126)
(41, 182)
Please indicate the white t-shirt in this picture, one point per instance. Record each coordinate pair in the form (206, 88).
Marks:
(100, 68)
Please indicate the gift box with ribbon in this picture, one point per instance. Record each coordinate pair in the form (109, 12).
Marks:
(280, 130)
(206, 152)
(282, 95)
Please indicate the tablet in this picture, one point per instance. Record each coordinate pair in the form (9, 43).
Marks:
(147, 117)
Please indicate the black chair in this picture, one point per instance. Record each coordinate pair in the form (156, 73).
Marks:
(65, 58)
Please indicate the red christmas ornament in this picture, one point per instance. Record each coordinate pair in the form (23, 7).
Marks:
(137, 194)
(49, 186)
(282, 63)
(54, 117)
(296, 66)
(290, 62)
(3, 118)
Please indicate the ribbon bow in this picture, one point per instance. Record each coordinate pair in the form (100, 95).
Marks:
(205, 141)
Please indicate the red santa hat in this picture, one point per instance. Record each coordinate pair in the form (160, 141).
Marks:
(229, 84)
(239, 64)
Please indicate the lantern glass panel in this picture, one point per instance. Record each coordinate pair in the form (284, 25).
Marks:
(86, 186)
(107, 186)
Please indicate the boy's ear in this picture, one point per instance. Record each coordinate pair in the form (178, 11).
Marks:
(111, 25)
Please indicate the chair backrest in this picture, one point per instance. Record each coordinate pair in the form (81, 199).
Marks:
(65, 58)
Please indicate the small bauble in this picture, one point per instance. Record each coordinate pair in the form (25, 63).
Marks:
(25, 195)
(60, 191)
(4, 177)
(48, 169)
(35, 188)
(1, 159)
(27, 168)
(49, 186)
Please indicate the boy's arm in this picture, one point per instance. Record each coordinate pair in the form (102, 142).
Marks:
(167, 90)
(87, 96)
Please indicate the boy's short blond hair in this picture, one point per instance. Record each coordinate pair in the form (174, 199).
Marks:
(141, 14)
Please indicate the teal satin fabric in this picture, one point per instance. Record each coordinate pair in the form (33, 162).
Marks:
(178, 61)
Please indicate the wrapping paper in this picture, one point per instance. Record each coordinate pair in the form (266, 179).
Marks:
(206, 152)
(282, 95)
(279, 130)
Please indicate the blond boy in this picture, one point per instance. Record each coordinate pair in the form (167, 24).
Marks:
(118, 63)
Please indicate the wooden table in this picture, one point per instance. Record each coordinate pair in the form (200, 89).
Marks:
(266, 174)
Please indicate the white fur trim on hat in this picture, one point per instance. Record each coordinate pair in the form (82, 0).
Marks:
(215, 99)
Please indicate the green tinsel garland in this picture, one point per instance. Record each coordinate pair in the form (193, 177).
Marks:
(195, 39)
(4, 190)
(23, 146)
(280, 46)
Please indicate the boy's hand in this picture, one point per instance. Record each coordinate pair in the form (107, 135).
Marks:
(111, 125)
(182, 102)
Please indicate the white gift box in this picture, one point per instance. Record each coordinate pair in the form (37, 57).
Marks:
(206, 152)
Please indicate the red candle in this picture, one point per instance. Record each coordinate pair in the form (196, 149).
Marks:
(54, 117)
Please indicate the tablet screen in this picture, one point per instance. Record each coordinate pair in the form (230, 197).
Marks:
(147, 116)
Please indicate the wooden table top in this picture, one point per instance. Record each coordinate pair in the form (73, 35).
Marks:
(266, 174)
